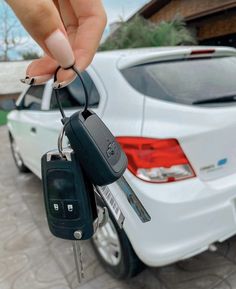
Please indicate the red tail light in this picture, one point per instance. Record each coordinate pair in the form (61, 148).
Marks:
(156, 160)
(205, 51)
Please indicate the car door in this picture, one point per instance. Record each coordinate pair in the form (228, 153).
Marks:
(72, 99)
(25, 121)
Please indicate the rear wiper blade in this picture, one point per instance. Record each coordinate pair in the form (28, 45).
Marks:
(229, 98)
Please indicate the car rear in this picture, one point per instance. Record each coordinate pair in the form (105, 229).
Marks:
(182, 166)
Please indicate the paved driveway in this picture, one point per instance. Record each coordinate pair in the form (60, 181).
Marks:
(30, 258)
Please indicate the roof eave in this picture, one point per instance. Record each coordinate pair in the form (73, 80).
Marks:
(150, 8)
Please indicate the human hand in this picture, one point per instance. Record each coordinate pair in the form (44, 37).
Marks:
(69, 31)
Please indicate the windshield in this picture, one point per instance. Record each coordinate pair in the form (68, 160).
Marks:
(185, 81)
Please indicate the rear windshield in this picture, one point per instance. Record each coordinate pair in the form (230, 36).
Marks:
(185, 81)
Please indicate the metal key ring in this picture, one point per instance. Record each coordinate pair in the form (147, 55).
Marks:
(60, 142)
(57, 88)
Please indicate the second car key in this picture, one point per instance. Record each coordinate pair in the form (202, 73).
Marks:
(69, 200)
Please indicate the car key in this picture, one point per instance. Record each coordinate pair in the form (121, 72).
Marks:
(69, 196)
(100, 155)
(98, 151)
(69, 200)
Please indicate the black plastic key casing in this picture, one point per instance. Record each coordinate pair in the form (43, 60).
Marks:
(100, 154)
(69, 197)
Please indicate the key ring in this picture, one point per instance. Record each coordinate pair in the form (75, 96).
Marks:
(56, 89)
(60, 142)
(64, 118)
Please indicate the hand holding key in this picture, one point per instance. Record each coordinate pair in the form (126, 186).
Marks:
(68, 31)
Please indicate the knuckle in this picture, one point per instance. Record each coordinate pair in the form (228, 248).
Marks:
(39, 12)
(104, 18)
(43, 11)
(42, 6)
(35, 17)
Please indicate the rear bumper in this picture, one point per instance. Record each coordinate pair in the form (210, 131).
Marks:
(186, 217)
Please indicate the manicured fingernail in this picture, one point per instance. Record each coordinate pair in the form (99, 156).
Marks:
(60, 48)
(58, 85)
(25, 80)
(36, 80)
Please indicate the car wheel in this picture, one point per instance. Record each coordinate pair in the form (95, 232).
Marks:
(16, 156)
(114, 250)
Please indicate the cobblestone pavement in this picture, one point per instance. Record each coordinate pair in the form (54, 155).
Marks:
(31, 258)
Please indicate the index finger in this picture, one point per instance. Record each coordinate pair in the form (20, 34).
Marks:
(43, 22)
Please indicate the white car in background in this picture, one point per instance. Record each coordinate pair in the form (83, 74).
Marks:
(174, 112)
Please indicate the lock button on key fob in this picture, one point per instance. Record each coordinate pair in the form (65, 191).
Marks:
(56, 209)
(71, 209)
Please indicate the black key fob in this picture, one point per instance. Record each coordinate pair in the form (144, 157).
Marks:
(100, 154)
(69, 197)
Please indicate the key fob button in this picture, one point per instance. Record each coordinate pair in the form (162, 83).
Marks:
(71, 209)
(56, 208)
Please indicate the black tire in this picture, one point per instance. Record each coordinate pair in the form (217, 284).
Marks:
(17, 157)
(129, 264)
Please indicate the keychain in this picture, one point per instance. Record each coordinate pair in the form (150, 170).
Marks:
(70, 174)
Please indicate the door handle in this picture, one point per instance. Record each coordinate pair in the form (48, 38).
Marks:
(33, 129)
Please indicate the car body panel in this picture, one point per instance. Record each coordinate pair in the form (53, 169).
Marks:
(116, 119)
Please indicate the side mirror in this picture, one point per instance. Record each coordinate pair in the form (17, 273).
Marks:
(7, 104)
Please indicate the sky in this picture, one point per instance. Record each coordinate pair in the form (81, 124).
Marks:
(116, 9)
(121, 8)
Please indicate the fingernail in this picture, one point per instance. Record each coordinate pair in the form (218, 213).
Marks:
(58, 85)
(60, 48)
(26, 80)
(36, 80)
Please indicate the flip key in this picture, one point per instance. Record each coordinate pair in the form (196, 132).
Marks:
(99, 153)
(69, 196)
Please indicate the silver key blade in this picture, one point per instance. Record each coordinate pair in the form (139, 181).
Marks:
(78, 260)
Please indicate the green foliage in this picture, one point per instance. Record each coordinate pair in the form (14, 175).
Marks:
(30, 55)
(142, 33)
(3, 117)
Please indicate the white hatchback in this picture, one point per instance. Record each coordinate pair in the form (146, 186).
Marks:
(174, 112)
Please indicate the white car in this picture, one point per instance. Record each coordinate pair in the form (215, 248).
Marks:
(174, 112)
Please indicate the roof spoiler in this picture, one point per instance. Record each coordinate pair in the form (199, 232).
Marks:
(177, 54)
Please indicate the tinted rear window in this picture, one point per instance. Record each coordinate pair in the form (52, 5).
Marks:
(185, 81)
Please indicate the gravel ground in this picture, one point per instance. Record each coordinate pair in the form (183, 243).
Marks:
(30, 257)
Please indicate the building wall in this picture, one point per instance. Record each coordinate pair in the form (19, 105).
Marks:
(10, 75)
(216, 26)
(9, 96)
(191, 8)
(211, 18)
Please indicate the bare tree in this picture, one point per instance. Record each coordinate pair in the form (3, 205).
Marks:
(10, 36)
